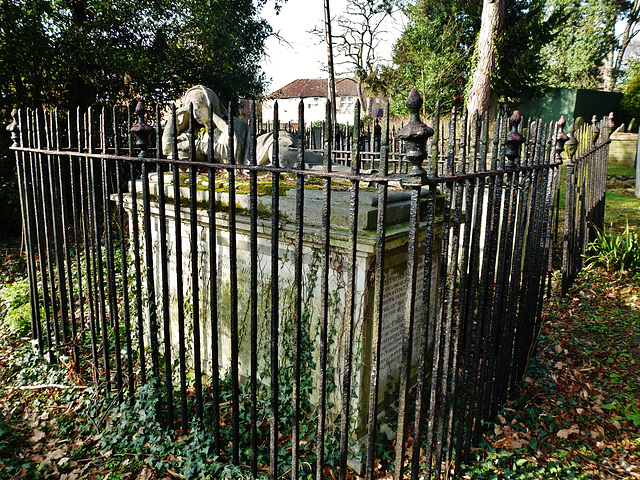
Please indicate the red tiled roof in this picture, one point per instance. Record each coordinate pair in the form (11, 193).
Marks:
(316, 87)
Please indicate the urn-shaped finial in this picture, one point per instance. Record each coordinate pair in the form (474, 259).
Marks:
(142, 130)
(595, 130)
(415, 135)
(14, 128)
(572, 144)
(514, 142)
(560, 137)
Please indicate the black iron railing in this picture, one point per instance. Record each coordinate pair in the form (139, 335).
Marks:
(588, 158)
(327, 304)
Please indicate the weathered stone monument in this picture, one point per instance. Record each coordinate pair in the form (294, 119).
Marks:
(212, 246)
(395, 287)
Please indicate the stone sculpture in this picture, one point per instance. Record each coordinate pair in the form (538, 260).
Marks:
(288, 149)
(203, 100)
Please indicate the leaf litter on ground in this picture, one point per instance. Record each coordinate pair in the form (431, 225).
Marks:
(577, 414)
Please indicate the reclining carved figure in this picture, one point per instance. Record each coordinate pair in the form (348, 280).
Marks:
(204, 100)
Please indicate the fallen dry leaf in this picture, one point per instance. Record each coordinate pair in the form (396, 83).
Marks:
(56, 454)
(37, 435)
(146, 474)
(564, 433)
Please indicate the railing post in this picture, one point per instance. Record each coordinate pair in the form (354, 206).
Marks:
(415, 135)
(569, 210)
(142, 130)
(513, 143)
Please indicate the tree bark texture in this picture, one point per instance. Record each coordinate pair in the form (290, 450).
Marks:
(614, 59)
(479, 96)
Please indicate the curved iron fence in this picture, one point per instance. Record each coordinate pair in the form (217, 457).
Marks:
(308, 315)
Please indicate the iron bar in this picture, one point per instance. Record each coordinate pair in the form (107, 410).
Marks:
(195, 275)
(325, 236)
(57, 229)
(454, 302)
(253, 247)
(233, 302)
(46, 267)
(299, 259)
(177, 201)
(110, 262)
(213, 294)
(415, 134)
(164, 275)
(349, 320)
(426, 303)
(99, 276)
(124, 264)
(274, 418)
(446, 295)
(376, 331)
(151, 312)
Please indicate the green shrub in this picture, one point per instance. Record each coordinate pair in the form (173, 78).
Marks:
(15, 309)
(615, 252)
(630, 103)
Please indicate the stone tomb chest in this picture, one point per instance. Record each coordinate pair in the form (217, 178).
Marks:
(395, 286)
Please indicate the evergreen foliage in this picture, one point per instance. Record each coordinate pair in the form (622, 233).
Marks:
(630, 103)
(67, 54)
(581, 40)
(436, 51)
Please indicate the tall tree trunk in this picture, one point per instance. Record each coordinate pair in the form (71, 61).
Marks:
(479, 96)
(630, 31)
(363, 100)
(608, 73)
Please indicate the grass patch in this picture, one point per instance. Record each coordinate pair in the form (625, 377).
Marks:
(620, 206)
(620, 170)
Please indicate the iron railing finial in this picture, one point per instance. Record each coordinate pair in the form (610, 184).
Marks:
(415, 135)
(572, 143)
(560, 137)
(142, 130)
(595, 130)
(14, 128)
(514, 142)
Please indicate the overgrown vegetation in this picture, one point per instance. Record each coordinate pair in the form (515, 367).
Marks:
(14, 306)
(615, 252)
(576, 416)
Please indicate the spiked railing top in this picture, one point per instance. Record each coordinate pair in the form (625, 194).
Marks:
(142, 130)
(572, 144)
(514, 141)
(560, 137)
(595, 130)
(415, 134)
(142, 126)
(14, 128)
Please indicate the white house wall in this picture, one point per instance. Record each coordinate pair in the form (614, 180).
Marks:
(314, 109)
